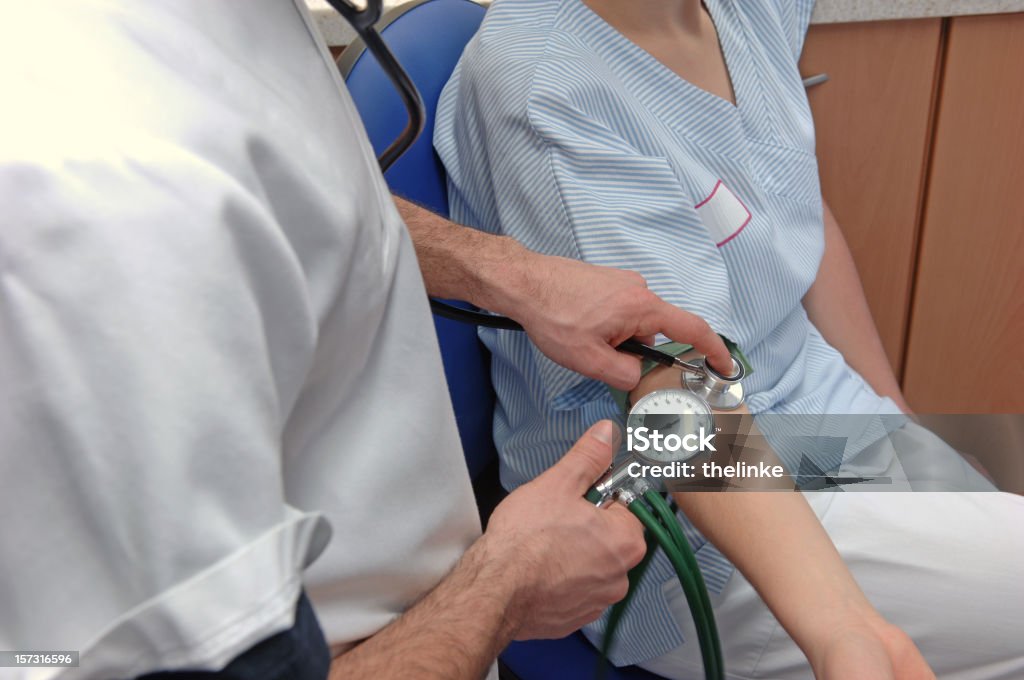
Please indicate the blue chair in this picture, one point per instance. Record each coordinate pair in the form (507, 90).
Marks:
(427, 37)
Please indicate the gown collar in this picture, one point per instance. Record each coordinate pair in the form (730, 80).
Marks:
(690, 110)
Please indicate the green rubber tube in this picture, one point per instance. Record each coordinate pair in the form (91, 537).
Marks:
(662, 528)
(712, 661)
(619, 608)
(668, 517)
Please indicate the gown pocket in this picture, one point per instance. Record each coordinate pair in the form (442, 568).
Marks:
(789, 172)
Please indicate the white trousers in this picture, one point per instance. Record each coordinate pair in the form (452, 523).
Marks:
(946, 567)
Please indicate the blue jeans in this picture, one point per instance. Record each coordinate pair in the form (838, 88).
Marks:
(299, 653)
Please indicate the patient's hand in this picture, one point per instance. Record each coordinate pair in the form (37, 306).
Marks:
(871, 649)
(778, 543)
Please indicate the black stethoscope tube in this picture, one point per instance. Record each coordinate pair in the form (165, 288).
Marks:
(362, 21)
(504, 323)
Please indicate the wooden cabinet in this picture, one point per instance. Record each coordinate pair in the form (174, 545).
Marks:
(920, 136)
(873, 126)
(969, 297)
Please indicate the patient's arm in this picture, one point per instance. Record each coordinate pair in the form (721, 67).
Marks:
(777, 542)
(836, 305)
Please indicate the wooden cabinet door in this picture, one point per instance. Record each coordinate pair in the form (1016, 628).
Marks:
(966, 346)
(872, 121)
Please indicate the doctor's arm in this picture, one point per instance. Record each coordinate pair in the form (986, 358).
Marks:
(548, 563)
(576, 313)
(836, 305)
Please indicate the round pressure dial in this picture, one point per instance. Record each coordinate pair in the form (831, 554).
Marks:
(667, 426)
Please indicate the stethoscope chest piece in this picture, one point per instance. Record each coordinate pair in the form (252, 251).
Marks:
(721, 392)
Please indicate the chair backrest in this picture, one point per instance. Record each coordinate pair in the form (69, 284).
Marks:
(428, 37)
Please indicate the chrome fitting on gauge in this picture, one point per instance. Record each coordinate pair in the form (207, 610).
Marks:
(616, 480)
(621, 487)
(626, 496)
(721, 392)
(665, 427)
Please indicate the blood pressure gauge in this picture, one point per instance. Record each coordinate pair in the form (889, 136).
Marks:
(664, 428)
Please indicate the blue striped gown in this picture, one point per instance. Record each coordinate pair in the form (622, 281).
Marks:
(558, 131)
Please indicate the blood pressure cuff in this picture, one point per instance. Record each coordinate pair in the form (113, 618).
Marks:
(676, 349)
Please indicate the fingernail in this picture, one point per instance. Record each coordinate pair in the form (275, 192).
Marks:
(603, 431)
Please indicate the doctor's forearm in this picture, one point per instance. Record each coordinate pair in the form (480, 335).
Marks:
(456, 631)
(837, 307)
(464, 263)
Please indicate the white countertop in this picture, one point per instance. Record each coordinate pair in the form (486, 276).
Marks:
(842, 11)
(337, 32)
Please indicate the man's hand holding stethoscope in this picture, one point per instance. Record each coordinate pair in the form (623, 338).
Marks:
(577, 314)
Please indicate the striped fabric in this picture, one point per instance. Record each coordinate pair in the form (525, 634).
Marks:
(558, 131)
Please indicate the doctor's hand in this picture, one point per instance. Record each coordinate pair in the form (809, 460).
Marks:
(548, 563)
(577, 313)
(566, 559)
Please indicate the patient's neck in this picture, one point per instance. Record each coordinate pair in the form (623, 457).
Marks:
(678, 33)
(636, 18)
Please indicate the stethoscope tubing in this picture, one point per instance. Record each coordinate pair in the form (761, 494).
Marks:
(468, 316)
(362, 21)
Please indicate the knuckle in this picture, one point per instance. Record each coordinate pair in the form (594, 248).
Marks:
(702, 325)
(623, 373)
(631, 373)
(636, 550)
(645, 296)
(600, 366)
(693, 323)
(619, 590)
(625, 524)
(637, 278)
(632, 545)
